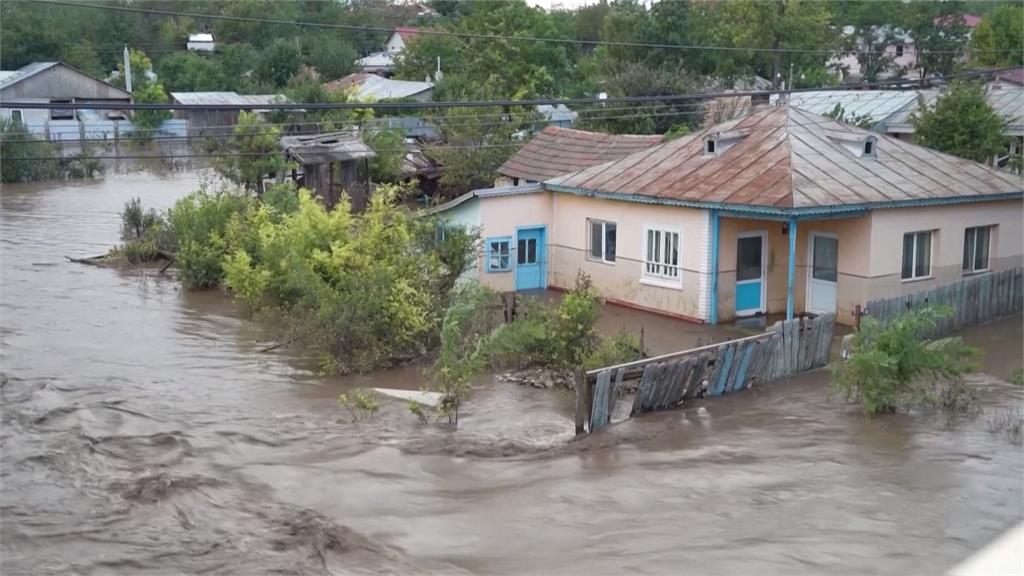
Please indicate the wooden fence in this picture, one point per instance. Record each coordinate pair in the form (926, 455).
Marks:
(974, 300)
(786, 348)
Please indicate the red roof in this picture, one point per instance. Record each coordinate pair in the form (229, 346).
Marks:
(970, 20)
(790, 158)
(407, 32)
(556, 151)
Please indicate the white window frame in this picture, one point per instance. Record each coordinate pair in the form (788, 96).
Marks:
(604, 240)
(657, 279)
(974, 256)
(913, 264)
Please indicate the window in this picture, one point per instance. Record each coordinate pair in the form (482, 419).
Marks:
(601, 240)
(61, 113)
(976, 245)
(16, 116)
(661, 254)
(498, 258)
(869, 147)
(899, 50)
(917, 255)
(709, 146)
(515, 181)
(526, 251)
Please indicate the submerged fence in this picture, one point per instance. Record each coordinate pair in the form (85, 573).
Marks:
(974, 300)
(786, 348)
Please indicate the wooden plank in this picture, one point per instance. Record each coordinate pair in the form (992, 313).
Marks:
(599, 418)
(692, 365)
(674, 392)
(823, 354)
(661, 389)
(613, 392)
(645, 385)
(739, 377)
(812, 342)
(700, 372)
(581, 391)
(716, 385)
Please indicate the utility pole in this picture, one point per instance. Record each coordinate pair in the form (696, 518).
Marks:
(127, 70)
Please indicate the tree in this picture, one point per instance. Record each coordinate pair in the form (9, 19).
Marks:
(998, 40)
(20, 151)
(191, 72)
(940, 35)
(635, 79)
(477, 142)
(255, 153)
(152, 93)
(331, 56)
(961, 123)
(389, 146)
(874, 29)
(278, 62)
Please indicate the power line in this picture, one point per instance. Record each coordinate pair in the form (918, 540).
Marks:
(478, 36)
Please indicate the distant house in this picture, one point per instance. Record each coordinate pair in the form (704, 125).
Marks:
(213, 122)
(781, 211)
(384, 62)
(366, 86)
(902, 51)
(555, 151)
(559, 115)
(329, 165)
(55, 82)
(201, 42)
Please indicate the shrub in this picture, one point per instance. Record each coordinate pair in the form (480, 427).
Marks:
(892, 366)
(361, 404)
(202, 224)
(621, 348)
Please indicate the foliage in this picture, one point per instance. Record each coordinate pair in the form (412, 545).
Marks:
(331, 55)
(621, 348)
(940, 35)
(281, 199)
(962, 123)
(461, 357)
(477, 142)
(26, 158)
(365, 290)
(1009, 421)
(892, 367)
(278, 62)
(137, 222)
(206, 227)
(861, 121)
(254, 154)
(1017, 377)
(417, 409)
(145, 234)
(572, 327)
(389, 145)
(148, 120)
(656, 117)
(998, 40)
(360, 405)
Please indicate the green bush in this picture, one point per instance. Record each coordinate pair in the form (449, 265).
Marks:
(893, 366)
(621, 348)
(204, 226)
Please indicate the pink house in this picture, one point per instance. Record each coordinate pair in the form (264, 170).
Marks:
(781, 211)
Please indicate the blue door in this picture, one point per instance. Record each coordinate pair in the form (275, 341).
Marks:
(750, 272)
(530, 259)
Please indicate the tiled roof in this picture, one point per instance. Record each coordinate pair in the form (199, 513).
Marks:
(556, 151)
(786, 157)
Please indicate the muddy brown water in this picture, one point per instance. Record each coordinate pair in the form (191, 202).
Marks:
(144, 433)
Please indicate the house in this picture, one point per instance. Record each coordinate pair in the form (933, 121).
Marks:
(202, 42)
(902, 52)
(211, 122)
(55, 82)
(559, 115)
(781, 211)
(555, 151)
(384, 62)
(329, 165)
(366, 86)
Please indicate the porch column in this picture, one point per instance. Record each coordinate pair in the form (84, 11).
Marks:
(791, 279)
(713, 270)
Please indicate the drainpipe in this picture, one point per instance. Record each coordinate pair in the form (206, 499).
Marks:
(713, 270)
(792, 268)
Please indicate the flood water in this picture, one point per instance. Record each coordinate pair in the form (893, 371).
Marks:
(144, 432)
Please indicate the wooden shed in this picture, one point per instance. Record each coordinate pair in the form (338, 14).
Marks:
(330, 165)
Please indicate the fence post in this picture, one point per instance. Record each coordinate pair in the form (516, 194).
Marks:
(581, 403)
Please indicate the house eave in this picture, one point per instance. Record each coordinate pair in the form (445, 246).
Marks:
(782, 213)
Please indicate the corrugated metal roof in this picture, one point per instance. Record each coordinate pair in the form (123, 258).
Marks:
(791, 158)
(487, 193)
(878, 105)
(1007, 100)
(324, 148)
(208, 98)
(556, 151)
(376, 60)
(11, 77)
(367, 86)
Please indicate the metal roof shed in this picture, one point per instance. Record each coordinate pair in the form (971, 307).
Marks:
(330, 165)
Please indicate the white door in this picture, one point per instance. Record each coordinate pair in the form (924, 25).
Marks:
(822, 273)
(750, 273)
